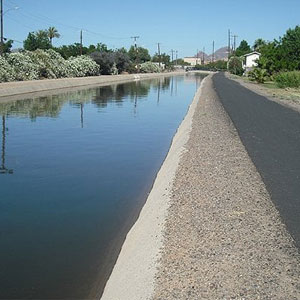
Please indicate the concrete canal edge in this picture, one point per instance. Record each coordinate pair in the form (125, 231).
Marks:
(15, 90)
(134, 272)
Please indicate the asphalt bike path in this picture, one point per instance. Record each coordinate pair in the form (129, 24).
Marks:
(270, 133)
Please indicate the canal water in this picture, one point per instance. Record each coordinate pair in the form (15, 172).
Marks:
(75, 171)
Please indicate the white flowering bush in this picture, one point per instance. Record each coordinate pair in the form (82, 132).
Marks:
(50, 64)
(23, 66)
(7, 72)
(39, 64)
(150, 67)
(82, 66)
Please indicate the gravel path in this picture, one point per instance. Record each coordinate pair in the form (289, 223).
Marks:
(223, 237)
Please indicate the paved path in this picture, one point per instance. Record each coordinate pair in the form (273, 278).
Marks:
(223, 237)
(270, 133)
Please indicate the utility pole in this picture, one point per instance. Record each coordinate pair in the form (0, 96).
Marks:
(234, 42)
(228, 50)
(159, 57)
(172, 52)
(213, 53)
(197, 57)
(135, 39)
(1, 30)
(203, 58)
(81, 42)
(176, 57)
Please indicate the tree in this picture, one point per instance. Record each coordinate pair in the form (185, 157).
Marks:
(122, 60)
(7, 46)
(258, 44)
(242, 49)
(164, 58)
(289, 49)
(105, 60)
(235, 65)
(139, 55)
(37, 40)
(282, 54)
(53, 33)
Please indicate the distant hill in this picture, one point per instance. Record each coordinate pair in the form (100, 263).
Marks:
(220, 54)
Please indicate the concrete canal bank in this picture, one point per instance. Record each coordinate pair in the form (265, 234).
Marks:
(15, 90)
(209, 229)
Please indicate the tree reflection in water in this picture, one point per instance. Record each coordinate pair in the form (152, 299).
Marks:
(51, 106)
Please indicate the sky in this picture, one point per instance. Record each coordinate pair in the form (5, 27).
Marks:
(180, 25)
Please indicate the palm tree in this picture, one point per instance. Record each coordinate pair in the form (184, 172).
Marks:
(52, 33)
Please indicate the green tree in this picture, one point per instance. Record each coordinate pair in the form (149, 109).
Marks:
(235, 65)
(258, 44)
(164, 58)
(242, 49)
(52, 33)
(289, 49)
(7, 46)
(139, 55)
(37, 40)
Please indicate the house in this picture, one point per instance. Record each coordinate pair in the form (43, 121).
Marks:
(193, 61)
(250, 60)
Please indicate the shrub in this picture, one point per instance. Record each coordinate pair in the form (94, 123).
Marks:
(50, 64)
(150, 67)
(235, 66)
(7, 72)
(259, 75)
(288, 79)
(105, 60)
(23, 66)
(82, 66)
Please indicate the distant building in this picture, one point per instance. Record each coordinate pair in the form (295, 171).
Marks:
(250, 60)
(192, 60)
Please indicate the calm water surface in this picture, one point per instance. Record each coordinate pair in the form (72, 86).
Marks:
(75, 171)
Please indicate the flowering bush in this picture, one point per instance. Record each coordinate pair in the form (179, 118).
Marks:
(150, 67)
(7, 73)
(23, 66)
(50, 64)
(39, 64)
(81, 66)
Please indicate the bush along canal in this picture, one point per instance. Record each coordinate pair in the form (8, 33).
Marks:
(75, 171)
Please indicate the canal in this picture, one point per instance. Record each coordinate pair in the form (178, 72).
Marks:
(75, 171)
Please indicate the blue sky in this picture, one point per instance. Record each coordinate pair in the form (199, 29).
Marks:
(184, 26)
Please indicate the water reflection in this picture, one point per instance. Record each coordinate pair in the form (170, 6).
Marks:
(3, 169)
(75, 193)
(51, 106)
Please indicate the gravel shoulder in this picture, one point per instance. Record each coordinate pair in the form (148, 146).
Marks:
(223, 237)
(133, 275)
(287, 97)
